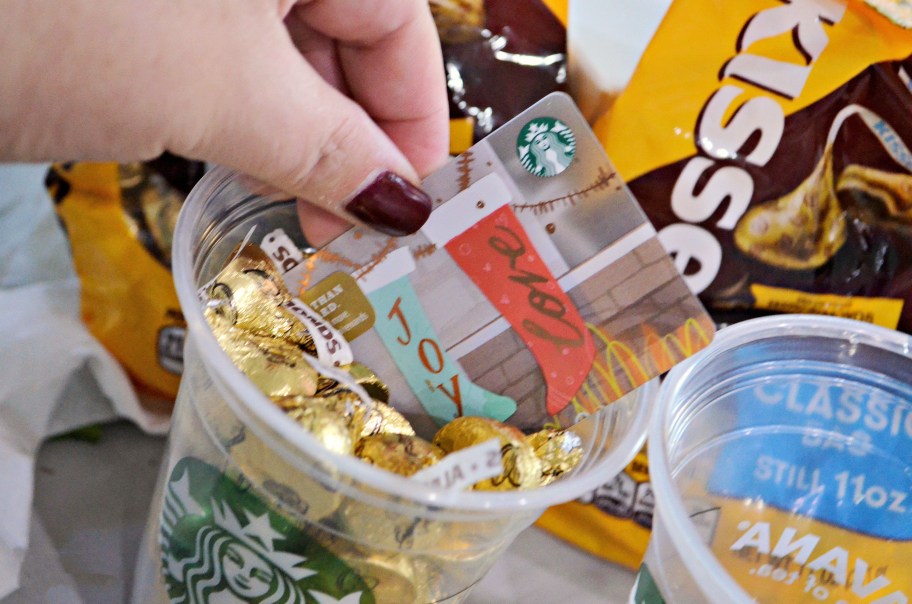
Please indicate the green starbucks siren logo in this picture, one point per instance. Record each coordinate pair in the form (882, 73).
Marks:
(546, 146)
(221, 543)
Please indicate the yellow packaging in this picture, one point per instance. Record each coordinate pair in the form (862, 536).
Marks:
(702, 51)
(119, 220)
(614, 521)
(769, 143)
(774, 554)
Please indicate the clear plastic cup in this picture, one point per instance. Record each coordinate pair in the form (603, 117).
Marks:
(250, 507)
(781, 458)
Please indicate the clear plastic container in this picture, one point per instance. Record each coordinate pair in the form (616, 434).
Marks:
(781, 458)
(250, 507)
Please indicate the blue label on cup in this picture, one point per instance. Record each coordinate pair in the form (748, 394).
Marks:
(824, 447)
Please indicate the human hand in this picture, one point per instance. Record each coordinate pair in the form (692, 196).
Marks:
(326, 100)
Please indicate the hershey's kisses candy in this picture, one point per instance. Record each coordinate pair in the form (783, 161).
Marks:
(328, 426)
(251, 295)
(559, 451)
(362, 420)
(522, 468)
(402, 454)
(381, 419)
(364, 376)
(277, 367)
(343, 403)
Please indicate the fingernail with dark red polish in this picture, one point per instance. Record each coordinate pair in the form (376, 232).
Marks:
(391, 205)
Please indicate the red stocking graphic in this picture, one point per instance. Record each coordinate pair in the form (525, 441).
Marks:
(498, 256)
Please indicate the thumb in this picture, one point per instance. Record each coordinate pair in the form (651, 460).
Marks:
(283, 124)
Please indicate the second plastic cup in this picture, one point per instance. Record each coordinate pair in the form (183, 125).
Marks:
(781, 458)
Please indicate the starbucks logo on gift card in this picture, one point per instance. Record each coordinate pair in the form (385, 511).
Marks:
(546, 146)
(221, 543)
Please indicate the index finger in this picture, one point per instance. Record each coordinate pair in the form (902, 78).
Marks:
(390, 56)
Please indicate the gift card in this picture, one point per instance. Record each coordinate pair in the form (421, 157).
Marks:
(536, 293)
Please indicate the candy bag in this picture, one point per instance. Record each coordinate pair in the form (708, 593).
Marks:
(851, 57)
(769, 144)
(119, 220)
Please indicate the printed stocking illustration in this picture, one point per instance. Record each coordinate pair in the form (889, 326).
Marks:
(440, 384)
(484, 237)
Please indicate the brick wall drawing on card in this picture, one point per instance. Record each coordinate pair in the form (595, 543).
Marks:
(643, 318)
(647, 288)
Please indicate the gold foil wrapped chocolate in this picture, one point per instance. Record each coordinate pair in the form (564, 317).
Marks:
(335, 420)
(251, 295)
(381, 418)
(559, 451)
(252, 258)
(522, 467)
(259, 462)
(802, 229)
(359, 420)
(391, 532)
(403, 454)
(364, 376)
(343, 403)
(277, 367)
(331, 428)
(390, 576)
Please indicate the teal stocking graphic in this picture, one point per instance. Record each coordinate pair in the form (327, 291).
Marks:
(221, 543)
(439, 383)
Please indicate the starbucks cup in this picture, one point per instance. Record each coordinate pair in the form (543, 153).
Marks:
(251, 507)
(781, 458)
